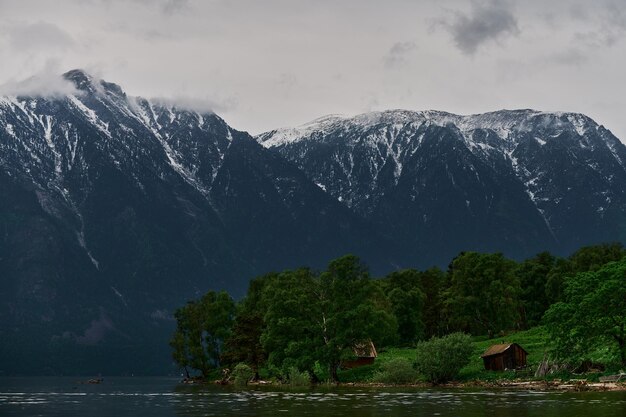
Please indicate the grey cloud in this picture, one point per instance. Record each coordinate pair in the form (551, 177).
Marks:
(615, 25)
(397, 55)
(46, 83)
(166, 6)
(173, 6)
(37, 36)
(345, 56)
(617, 14)
(287, 80)
(487, 21)
(96, 330)
(606, 24)
(162, 315)
(568, 57)
(150, 34)
(200, 105)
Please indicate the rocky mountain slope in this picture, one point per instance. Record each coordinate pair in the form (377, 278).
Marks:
(115, 210)
(438, 183)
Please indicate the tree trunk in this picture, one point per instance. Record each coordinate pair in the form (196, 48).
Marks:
(187, 372)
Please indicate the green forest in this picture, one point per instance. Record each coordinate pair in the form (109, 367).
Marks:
(304, 324)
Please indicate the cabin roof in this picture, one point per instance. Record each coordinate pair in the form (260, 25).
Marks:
(365, 349)
(498, 349)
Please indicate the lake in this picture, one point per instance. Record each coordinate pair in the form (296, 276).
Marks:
(155, 397)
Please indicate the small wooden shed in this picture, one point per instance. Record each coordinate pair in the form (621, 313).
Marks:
(365, 353)
(504, 356)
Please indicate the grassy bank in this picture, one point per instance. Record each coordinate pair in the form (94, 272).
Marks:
(534, 341)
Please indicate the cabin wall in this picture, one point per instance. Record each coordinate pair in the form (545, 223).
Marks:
(512, 358)
(357, 362)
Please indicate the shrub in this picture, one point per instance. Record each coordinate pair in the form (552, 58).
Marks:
(441, 358)
(320, 373)
(242, 374)
(297, 378)
(396, 371)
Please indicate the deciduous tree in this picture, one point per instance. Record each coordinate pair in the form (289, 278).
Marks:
(483, 293)
(201, 328)
(593, 311)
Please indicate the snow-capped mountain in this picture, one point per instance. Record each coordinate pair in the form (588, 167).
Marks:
(115, 210)
(514, 181)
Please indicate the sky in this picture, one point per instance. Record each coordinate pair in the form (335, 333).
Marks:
(264, 64)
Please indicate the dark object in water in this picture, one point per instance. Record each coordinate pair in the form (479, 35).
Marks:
(93, 381)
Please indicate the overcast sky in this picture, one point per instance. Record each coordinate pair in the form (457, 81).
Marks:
(263, 64)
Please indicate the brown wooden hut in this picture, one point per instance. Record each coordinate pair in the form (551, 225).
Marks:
(504, 356)
(365, 353)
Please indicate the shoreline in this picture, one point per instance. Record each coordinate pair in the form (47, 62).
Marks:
(571, 385)
(578, 385)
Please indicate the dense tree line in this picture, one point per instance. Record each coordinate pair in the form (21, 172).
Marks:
(311, 321)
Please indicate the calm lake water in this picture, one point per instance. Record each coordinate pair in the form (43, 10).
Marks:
(119, 397)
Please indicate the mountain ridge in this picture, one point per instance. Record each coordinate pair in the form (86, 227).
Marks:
(361, 161)
(118, 209)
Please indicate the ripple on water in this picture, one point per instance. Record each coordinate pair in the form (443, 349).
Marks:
(120, 398)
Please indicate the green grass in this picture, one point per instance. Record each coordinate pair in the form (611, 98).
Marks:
(365, 373)
(533, 341)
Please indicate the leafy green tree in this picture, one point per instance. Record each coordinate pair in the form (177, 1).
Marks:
(201, 328)
(350, 313)
(533, 276)
(407, 304)
(242, 374)
(592, 258)
(320, 318)
(440, 359)
(292, 334)
(483, 293)
(244, 343)
(589, 258)
(593, 311)
(432, 283)
(555, 282)
(180, 345)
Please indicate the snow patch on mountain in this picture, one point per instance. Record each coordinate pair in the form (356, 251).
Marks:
(91, 115)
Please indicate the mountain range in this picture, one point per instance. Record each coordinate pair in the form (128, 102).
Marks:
(117, 209)
(436, 183)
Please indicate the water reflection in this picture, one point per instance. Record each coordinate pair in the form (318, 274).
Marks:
(400, 402)
(119, 397)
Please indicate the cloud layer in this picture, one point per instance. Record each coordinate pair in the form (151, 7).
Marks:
(265, 64)
(46, 83)
(487, 21)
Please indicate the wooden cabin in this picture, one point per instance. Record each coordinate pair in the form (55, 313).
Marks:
(504, 356)
(365, 353)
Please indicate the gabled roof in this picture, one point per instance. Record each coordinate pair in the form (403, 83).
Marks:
(365, 349)
(500, 348)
